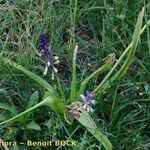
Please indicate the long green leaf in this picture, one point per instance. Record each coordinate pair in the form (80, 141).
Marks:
(99, 71)
(47, 101)
(33, 100)
(32, 75)
(106, 82)
(135, 40)
(86, 120)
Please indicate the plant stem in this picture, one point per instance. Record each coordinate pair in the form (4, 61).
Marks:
(74, 76)
(61, 90)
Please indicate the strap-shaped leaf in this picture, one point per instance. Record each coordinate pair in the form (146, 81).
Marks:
(99, 71)
(106, 82)
(30, 74)
(86, 120)
(47, 101)
(135, 40)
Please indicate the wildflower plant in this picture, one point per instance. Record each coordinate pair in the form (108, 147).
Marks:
(81, 101)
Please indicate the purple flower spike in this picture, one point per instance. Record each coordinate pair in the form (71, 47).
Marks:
(44, 45)
(46, 51)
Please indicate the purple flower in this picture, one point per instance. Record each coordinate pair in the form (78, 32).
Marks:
(46, 51)
(76, 107)
(88, 98)
(45, 47)
(87, 101)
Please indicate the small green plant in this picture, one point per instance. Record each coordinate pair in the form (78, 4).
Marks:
(80, 103)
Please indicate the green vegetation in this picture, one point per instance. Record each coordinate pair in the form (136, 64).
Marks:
(103, 46)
